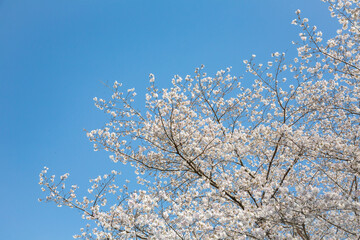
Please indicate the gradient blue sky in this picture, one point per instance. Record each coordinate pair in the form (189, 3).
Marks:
(54, 54)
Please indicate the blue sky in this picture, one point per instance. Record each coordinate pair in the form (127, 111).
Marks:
(55, 54)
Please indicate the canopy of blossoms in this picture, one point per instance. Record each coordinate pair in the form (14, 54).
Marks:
(218, 160)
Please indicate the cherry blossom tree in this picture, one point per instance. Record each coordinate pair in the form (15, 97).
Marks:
(218, 160)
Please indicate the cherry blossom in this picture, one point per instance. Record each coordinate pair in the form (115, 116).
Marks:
(219, 158)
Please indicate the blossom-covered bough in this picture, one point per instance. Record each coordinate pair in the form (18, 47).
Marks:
(217, 160)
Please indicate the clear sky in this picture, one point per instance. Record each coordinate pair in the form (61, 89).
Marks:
(55, 54)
